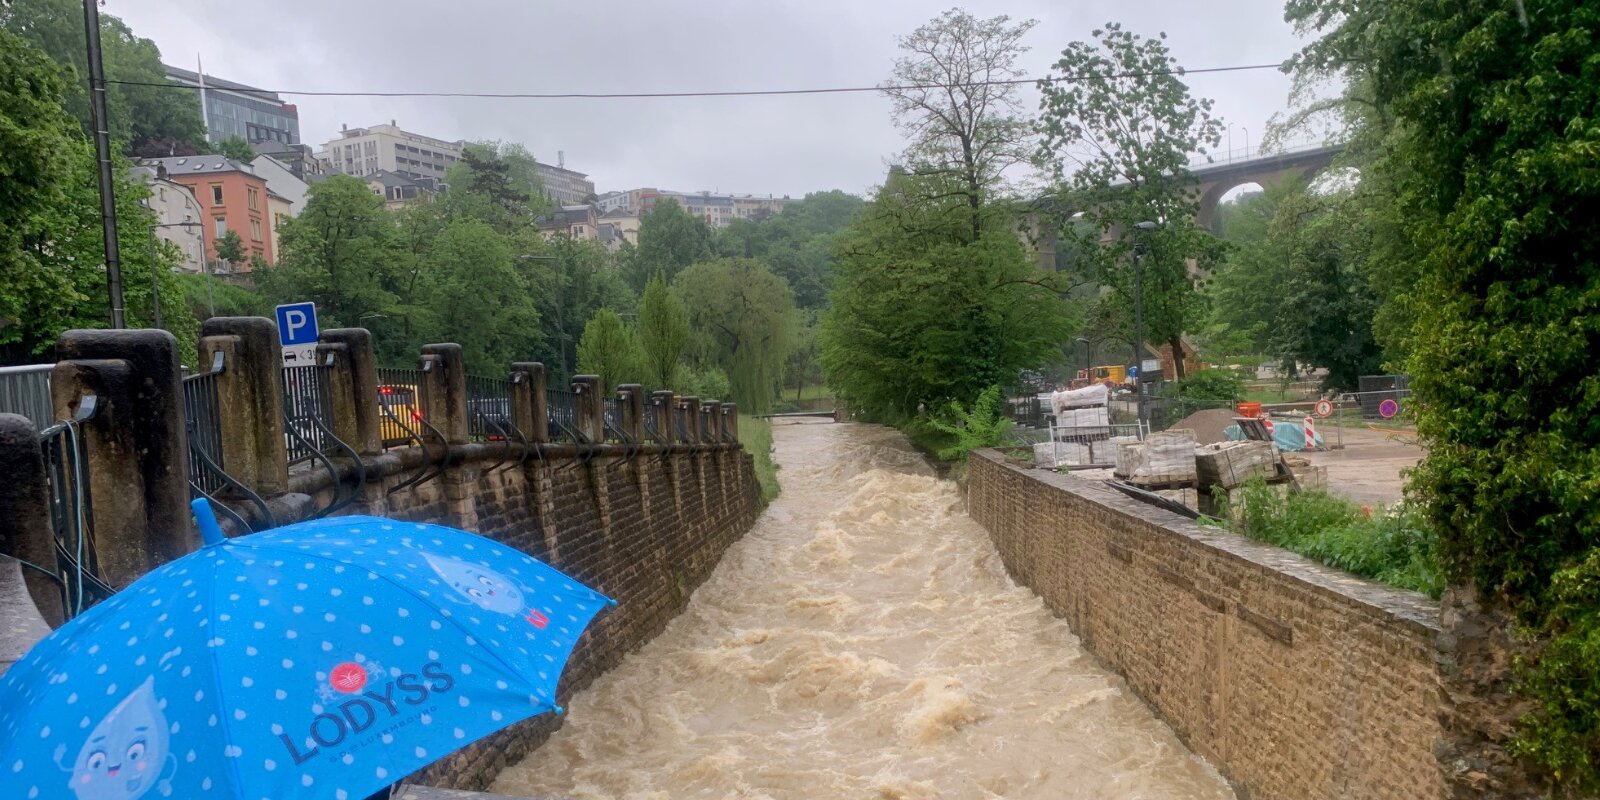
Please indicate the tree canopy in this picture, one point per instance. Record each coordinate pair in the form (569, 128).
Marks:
(742, 318)
(670, 239)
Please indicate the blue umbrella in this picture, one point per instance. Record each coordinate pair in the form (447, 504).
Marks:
(326, 659)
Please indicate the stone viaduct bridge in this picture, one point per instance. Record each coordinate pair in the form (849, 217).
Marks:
(1216, 180)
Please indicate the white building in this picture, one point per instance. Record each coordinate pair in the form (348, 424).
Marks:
(567, 187)
(364, 151)
(176, 207)
(282, 182)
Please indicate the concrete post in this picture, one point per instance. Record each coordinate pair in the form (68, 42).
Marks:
(691, 420)
(711, 421)
(661, 405)
(630, 396)
(591, 410)
(445, 375)
(25, 530)
(136, 445)
(357, 420)
(249, 400)
(730, 421)
(529, 403)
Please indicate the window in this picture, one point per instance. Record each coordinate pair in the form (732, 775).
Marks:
(216, 194)
(251, 198)
(255, 230)
(222, 226)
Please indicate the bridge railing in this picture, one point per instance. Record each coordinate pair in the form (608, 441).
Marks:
(25, 390)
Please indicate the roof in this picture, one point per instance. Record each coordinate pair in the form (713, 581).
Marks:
(177, 166)
(618, 213)
(192, 78)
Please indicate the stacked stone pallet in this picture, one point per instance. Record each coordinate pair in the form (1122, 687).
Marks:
(1163, 463)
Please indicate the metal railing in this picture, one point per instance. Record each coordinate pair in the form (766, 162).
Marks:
(561, 407)
(26, 391)
(307, 411)
(401, 404)
(1027, 412)
(489, 408)
(615, 432)
(203, 422)
(680, 427)
(66, 469)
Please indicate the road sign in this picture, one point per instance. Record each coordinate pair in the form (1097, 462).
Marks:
(1323, 408)
(297, 332)
(1388, 408)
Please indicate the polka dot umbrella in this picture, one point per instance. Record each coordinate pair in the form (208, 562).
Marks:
(326, 659)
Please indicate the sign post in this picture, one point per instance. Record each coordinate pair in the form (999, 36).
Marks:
(297, 332)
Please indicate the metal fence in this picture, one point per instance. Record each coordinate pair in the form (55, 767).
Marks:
(1027, 412)
(489, 409)
(66, 467)
(203, 421)
(26, 391)
(615, 432)
(561, 407)
(680, 423)
(1374, 389)
(307, 401)
(401, 401)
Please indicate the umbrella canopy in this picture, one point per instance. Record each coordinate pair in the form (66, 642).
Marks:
(326, 659)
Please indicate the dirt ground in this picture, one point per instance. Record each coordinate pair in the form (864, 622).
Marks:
(1367, 470)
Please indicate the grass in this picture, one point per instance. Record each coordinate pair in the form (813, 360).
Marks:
(1390, 546)
(756, 436)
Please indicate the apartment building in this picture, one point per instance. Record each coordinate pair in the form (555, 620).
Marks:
(178, 216)
(390, 148)
(567, 187)
(231, 197)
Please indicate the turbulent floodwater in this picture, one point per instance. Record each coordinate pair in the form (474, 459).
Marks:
(862, 641)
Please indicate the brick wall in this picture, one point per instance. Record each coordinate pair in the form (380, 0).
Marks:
(643, 531)
(1294, 680)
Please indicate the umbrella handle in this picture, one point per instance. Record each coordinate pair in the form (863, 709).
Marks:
(210, 531)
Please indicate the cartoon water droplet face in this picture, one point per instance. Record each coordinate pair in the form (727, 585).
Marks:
(126, 753)
(480, 585)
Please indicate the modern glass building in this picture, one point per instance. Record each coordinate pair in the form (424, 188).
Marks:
(233, 109)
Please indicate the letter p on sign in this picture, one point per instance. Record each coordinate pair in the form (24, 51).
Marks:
(297, 324)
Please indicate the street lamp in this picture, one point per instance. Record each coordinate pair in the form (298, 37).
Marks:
(1138, 316)
(1086, 365)
(155, 287)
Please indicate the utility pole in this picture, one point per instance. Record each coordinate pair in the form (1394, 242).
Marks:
(102, 155)
(1138, 318)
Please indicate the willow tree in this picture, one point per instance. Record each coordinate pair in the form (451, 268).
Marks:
(742, 315)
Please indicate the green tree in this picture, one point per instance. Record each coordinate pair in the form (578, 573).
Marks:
(338, 251)
(1118, 111)
(236, 148)
(609, 349)
(497, 182)
(572, 279)
(741, 315)
(663, 332)
(230, 250)
(146, 116)
(798, 244)
(1492, 162)
(922, 315)
(1294, 282)
(51, 246)
(670, 239)
(953, 100)
(479, 298)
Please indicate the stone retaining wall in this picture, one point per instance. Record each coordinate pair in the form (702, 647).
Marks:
(1295, 680)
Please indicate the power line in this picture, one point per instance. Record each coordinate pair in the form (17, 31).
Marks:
(741, 93)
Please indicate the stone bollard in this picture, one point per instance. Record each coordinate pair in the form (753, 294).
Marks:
(711, 421)
(662, 405)
(249, 400)
(691, 420)
(630, 397)
(528, 401)
(444, 374)
(137, 447)
(25, 529)
(353, 387)
(730, 421)
(591, 411)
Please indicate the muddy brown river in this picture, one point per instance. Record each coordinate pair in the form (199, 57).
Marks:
(862, 641)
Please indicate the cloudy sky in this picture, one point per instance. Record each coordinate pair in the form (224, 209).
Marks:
(758, 145)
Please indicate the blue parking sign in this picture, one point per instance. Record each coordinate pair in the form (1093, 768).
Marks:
(297, 324)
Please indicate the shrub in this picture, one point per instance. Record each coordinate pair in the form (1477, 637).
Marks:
(1396, 547)
(983, 424)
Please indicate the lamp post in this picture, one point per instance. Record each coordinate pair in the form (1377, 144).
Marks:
(155, 286)
(1085, 342)
(1138, 317)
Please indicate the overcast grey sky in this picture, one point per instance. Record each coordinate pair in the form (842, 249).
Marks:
(778, 145)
